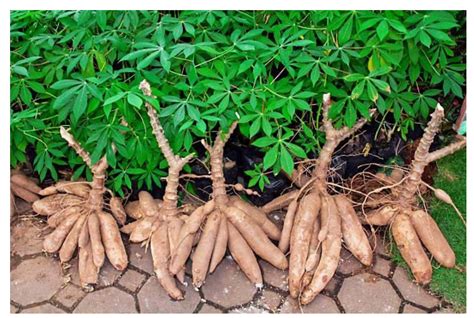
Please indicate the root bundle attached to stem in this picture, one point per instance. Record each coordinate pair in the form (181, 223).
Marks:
(316, 222)
(76, 212)
(411, 227)
(227, 222)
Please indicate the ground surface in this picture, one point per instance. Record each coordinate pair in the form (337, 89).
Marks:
(38, 283)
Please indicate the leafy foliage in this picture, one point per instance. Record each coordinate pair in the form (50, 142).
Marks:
(82, 69)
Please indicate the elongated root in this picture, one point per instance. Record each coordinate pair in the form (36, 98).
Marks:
(411, 227)
(75, 211)
(227, 222)
(23, 187)
(316, 222)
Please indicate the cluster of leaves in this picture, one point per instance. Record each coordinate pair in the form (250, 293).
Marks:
(208, 68)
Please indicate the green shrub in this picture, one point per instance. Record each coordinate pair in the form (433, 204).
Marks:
(82, 69)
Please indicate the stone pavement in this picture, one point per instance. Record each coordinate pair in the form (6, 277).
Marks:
(39, 284)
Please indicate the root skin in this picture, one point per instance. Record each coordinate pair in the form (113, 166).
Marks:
(410, 247)
(84, 239)
(203, 251)
(88, 272)
(244, 256)
(143, 229)
(259, 217)
(57, 218)
(314, 252)
(221, 244)
(117, 210)
(133, 209)
(23, 193)
(280, 202)
(354, 236)
(97, 247)
(380, 217)
(53, 241)
(55, 203)
(256, 238)
(114, 248)
(22, 181)
(186, 237)
(147, 204)
(284, 242)
(70, 243)
(161, 253)
(324, 218)
(71, 187)
(305, 218)
(330, 251)
(432, 238)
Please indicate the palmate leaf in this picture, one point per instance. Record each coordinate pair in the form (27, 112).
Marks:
(82, 69)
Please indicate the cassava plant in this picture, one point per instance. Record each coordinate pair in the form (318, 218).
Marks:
(413, 227)
(227, 222)
(77, 212)
(316, 222)
(159, 222)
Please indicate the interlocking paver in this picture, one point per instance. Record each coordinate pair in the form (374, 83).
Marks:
(132, 280)
(332, 285)
(107, 300)
(409, 309)
(69, 295)
(321, 304)
(108, 274)
(208, 309)
(382, 266)
(348, 264)
(274, 276)
(35, 280)
(270, 299)
(139, 258)
(26, 238)
(152, 298)
(228, 285)
(249, 309)
(43, 309)
(367, 293)
(411, 291)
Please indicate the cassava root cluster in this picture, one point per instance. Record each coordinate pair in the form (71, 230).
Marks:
(75, 211)
(412, 227)
(316, 222)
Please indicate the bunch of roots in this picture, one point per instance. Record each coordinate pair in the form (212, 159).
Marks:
(392, 200)
(77, 213)
(227, 222)
(316, 222)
